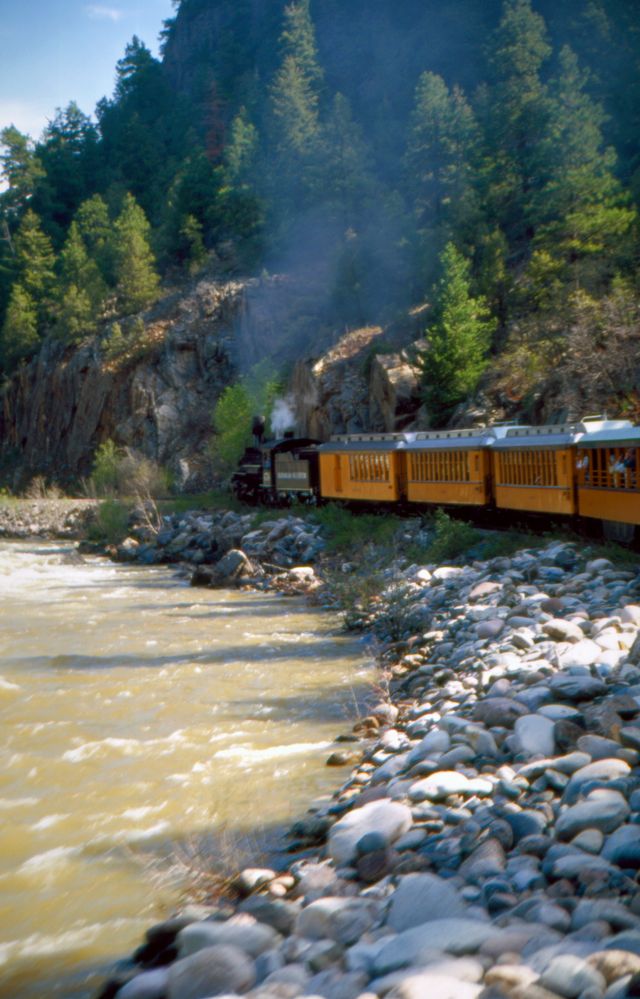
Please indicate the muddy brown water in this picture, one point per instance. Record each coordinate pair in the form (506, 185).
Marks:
(139, 716)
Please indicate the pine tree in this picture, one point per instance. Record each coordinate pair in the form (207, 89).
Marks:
(94, 226)
(144, 132)
(21, 171)
(137, 282)
(194, 251)
(348, 181)
(72, 164)
(459, 339)
(77, 267)
(441, 161)
(295, 115)
(34, 263)
(20, 338)
(581, 211)
(299, 41)
(75, 316)
(516, 110)
(80, 291)
(241, 151)
(294, 105)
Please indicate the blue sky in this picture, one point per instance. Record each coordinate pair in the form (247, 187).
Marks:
(56, 51)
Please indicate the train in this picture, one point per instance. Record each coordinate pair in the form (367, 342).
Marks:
(588, 469)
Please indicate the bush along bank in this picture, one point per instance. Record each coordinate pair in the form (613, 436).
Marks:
(488, 843)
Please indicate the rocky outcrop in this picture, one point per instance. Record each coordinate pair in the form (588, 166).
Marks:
(156, 395)
(394, 391)
(356, 386)
(156, 399)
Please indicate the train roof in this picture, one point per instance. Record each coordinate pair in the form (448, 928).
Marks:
(289, 443)
(612, 432)
(565, 434)
(588, 432)
(552, 435)
(364, 442)
(458, 440)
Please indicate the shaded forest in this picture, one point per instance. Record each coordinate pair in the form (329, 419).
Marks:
(480, 156)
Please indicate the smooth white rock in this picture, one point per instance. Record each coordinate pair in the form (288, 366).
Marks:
(534, 735)
(251, 937)
(420, 898)
(423, 943)
(388, 818)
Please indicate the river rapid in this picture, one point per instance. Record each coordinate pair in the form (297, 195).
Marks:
(138, 717)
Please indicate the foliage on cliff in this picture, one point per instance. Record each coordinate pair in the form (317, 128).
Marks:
(356, 141)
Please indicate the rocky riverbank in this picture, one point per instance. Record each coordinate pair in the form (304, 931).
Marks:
(487, 844)
(224, 548)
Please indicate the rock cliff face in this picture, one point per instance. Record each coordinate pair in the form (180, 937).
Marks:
(355, 387)
(58, 409)
(157, 397)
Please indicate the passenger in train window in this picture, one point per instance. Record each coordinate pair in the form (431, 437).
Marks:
(629, 465)
(621, 465)
(582, 465)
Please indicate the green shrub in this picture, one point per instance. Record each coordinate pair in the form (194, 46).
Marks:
(121, 472)
(104, 474)
(111, 525)
(345, 531)
(141, 477)
(234, 412)
(451, 537)
(129, 341)
(232, 418)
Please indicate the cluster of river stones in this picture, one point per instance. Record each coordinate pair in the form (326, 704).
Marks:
(487, 842)
(225, 548)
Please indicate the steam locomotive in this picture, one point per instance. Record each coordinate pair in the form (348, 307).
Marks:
(587, 469)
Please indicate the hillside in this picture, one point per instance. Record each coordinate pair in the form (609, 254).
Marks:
(463, 177)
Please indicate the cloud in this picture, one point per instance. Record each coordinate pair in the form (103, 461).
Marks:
(99, 13)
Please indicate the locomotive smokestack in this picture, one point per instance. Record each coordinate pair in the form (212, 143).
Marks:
(257, 428)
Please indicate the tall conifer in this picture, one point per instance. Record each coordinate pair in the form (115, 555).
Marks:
(19, 338)
(137, 281)
(580, 210)
(80, 291)
(459, 339)
(295, 114)
(441, 160)
(34, 263)
(516, 110)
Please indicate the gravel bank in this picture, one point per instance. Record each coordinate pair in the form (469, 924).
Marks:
(46, 518)
(487, 844)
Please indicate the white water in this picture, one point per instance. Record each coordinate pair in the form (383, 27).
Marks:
(138, 716)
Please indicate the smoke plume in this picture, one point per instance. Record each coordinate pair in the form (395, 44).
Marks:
(282, 417)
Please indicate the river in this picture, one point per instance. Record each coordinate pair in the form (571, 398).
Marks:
(139, 716)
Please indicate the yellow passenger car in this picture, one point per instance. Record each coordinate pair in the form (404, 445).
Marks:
(367, 467)
(533, 469)
(449, 466)
(607, 471)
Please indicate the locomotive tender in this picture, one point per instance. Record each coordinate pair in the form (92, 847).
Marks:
(589, 469)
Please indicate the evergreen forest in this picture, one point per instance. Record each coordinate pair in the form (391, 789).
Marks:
(479, 155)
